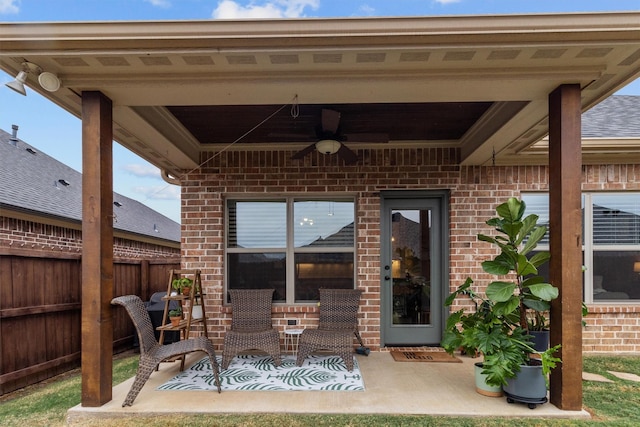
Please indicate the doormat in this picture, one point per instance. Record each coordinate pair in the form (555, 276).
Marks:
(424, 356)
(258, 373)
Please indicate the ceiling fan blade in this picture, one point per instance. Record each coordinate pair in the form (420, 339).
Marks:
(367, 137)
(347, 155)
(300, 154)
(330, 120)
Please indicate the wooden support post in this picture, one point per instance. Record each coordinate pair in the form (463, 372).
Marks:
(565, 224)
(97, 249)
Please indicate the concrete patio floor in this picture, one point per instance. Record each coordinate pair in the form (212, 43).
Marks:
(390, 388)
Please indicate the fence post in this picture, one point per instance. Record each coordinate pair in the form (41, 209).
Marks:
(144, 280)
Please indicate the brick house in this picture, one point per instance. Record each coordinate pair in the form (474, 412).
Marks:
(41, 209)
(429, 120)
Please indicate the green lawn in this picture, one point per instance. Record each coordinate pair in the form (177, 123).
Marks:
(612, 404)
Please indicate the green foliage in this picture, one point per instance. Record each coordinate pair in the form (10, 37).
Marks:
(499, 328)
(181, 283)
(46, 404)
(175, 312)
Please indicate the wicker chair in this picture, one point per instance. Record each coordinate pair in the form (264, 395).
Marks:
(251, 327)
(152, 352)
(337, 325)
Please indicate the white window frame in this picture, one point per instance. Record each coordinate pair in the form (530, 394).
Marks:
(588, 246)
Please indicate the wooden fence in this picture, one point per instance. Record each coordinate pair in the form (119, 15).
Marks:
(40, 311)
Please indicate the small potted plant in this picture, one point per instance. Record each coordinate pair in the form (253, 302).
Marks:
(182, 285)
(175, 316)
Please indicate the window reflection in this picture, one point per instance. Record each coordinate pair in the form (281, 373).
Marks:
(292, 245)
(258, 271)
(611, 242)
(326, 270)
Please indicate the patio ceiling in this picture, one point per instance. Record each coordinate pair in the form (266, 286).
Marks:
(479, 83)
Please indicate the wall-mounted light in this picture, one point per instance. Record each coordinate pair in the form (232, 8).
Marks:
(48, 81)
(636, 267)
(18, 83)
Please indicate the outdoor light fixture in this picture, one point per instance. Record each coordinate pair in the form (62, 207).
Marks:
(18, 83)
(636, 267)
(328, 146)
(48, 81)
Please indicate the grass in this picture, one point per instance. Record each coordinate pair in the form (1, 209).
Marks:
(612, 404)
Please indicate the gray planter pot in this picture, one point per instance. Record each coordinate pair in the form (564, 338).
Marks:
(528, 386)
(540, 341)
(481, 385)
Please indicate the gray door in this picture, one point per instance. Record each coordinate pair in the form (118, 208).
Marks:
(414, 267)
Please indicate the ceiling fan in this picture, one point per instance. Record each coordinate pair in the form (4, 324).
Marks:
(329, 139)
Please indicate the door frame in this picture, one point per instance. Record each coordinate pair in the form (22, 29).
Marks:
(442, 196)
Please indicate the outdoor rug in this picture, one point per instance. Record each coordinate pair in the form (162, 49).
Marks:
(257, 372)
(423, 356)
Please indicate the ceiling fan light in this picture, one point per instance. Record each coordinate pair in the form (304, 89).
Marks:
(328, 146)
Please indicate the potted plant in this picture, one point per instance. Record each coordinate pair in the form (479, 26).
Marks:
(469, 332)
(499, 329)
(182, 285)
(538, 327)
(175, 316)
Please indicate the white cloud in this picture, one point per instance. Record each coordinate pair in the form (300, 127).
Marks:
(447, 1)
(229, 9)
(167, 192)
(141, 170)
(9, 6)
(367, 10)
(160, 3)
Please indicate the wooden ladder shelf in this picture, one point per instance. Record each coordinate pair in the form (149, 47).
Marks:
(186, 302)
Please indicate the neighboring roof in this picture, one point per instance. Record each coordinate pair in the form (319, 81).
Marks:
(615, 117)
(35, 183)
(184, 88)
(610, 134)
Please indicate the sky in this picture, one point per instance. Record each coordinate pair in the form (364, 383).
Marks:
(57, 133)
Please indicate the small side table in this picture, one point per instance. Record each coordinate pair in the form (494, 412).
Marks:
(291, 338)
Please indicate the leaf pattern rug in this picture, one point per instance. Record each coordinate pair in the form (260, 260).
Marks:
(257, 372)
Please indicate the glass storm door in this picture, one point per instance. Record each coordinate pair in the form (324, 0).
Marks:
(412, 271)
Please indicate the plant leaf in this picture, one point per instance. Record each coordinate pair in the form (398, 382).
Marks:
(500, 291)
(525, 268)
(535, 237)
(544, 291)
(536, 305)
(485, 238)
(527, 225)
(507, 307)
(540, 258)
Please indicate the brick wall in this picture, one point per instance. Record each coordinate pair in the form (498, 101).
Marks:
(475, 192)
(28, 235)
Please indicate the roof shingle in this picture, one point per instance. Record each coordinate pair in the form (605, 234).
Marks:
(34, 182)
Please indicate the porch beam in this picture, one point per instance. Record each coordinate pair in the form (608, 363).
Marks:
(97, 249)
(565, 223)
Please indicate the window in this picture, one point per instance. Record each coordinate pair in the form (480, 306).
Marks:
(611, 237)
(294, 245)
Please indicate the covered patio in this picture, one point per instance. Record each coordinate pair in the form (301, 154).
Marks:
(390, 388)
(231, 108)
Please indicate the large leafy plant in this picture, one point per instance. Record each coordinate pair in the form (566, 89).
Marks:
(498, 328)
